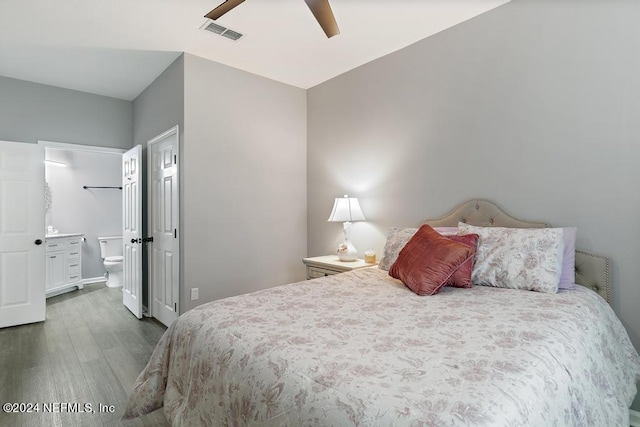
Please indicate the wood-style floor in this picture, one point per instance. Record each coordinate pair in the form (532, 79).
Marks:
(89, 350)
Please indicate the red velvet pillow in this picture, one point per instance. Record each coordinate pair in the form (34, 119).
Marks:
(428, 260)
(462, 277)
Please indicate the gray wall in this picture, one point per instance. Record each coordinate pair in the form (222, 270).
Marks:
(161, 105)
(157, 109)
(94, 212)
(242, 175)
(245, 190)
(32, 111)
(533, 105)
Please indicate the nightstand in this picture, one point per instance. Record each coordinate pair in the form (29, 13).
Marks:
(327, 265)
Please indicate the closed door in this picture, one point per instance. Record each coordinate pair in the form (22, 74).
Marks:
(162, 163)
(22, 252)
(132, 230)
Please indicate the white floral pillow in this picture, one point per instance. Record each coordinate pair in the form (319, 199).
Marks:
(396, 239)
(517, 258)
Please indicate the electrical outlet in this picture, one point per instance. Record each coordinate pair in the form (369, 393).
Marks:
(194, 294)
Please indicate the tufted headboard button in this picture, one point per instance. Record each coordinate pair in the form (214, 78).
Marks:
(463, 220)
(491, 221)
(477, 206)
(595, 288)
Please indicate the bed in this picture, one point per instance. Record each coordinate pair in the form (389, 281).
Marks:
(360, 348)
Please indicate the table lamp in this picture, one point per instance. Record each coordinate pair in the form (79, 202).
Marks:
(346, 210)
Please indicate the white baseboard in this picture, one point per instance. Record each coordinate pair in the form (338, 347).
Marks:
(634, 418)
(91, 280)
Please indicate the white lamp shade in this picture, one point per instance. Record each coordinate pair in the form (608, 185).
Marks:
(346, 209)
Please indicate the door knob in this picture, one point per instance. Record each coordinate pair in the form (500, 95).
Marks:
(38, 242)
(135, 240)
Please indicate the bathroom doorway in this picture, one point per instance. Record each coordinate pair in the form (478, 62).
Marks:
(83, 199)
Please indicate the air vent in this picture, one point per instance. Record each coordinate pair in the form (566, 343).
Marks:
(230, 34)
(215, 28)
(221, 31)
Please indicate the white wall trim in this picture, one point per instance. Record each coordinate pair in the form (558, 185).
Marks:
(94, 280)
(78, 147)
(634, 418)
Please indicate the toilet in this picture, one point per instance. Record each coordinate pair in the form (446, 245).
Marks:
(111, 253)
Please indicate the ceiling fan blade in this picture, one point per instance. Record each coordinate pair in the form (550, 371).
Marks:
(324, 15)
(222, 9)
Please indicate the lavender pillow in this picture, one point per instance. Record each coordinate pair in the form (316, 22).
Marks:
(568, 275)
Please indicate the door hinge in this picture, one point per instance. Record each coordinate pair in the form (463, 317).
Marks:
(175, 233)
(175, 159)
(175, 307)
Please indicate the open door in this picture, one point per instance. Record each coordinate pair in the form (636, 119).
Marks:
(22, 262)
(132, 230)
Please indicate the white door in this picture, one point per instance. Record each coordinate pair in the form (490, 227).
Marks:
(132, 230)
(162, 163)
(22, 262)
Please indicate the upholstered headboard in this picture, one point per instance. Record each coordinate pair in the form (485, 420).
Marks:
(592, 270)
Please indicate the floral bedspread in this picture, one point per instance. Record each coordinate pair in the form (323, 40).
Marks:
(359, 348)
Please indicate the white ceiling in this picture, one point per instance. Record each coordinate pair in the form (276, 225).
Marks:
(117, 47)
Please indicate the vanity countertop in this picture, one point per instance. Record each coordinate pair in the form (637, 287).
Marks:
(60, 235)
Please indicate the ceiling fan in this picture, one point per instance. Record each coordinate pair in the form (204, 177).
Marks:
(320, 9)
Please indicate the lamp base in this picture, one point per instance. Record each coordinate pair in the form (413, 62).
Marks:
(347, 252)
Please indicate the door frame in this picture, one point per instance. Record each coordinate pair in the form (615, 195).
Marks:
(175, 207)
(67, 146)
